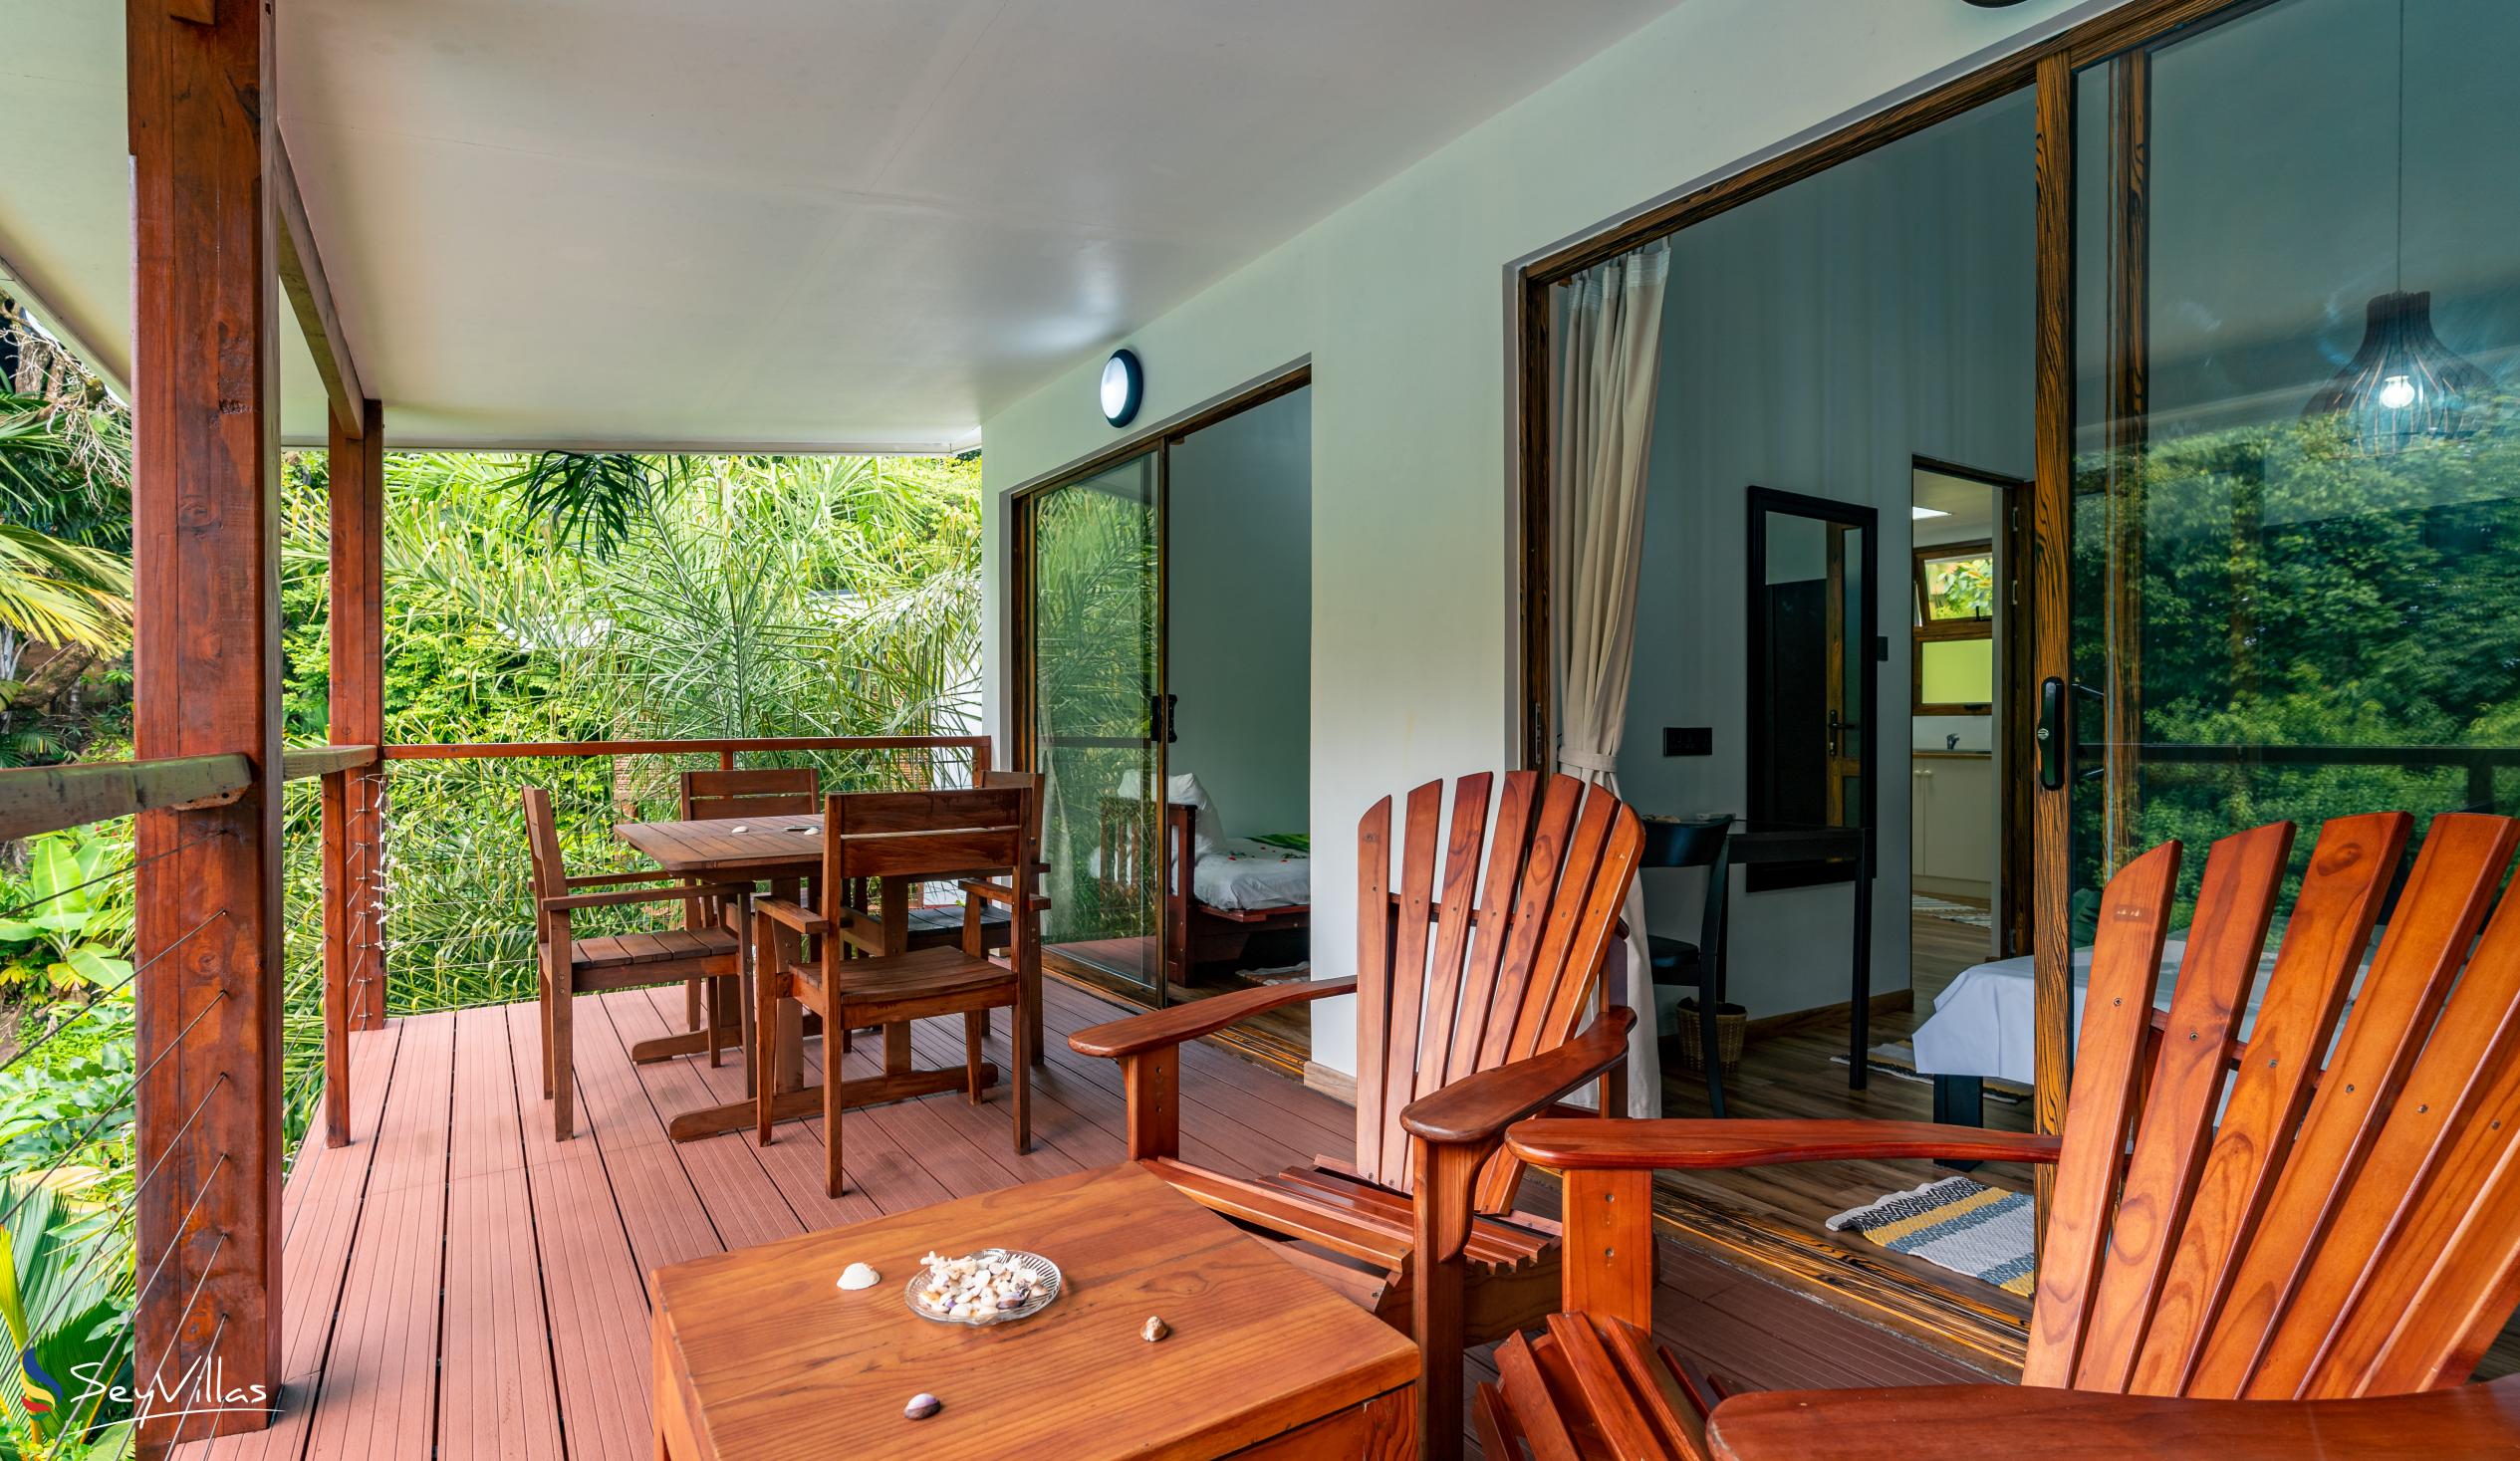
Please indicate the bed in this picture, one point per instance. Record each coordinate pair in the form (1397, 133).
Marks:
(1238, 887)
(1982, 1022)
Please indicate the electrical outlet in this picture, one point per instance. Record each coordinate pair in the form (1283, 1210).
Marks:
(1688, 740)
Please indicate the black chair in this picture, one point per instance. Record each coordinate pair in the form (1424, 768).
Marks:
(1700, 965)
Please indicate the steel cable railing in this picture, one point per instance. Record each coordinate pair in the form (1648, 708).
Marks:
(69, 1233)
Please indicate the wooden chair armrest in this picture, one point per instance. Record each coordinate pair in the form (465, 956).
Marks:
(647, 895)
(1163, 1029)
(1000, 895)
(1698, 1144)
(1900, 1424)
(792, 915)
(1478, 1108)
(615, 879)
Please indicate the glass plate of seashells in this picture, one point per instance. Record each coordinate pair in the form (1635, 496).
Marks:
(992, 1286)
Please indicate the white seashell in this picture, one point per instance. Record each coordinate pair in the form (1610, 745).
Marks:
(739, 826)
(859, 1275)
(922, 1405)
(1156, 1329)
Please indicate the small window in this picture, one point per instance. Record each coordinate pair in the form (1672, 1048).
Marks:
(1955, 583)
(1954, 629)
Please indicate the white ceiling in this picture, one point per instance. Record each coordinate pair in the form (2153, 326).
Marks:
(801, 224)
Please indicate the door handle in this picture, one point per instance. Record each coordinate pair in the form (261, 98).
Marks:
(1159, 713)
(2050, 734)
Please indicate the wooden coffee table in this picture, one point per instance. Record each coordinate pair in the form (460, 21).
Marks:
(760, 1355)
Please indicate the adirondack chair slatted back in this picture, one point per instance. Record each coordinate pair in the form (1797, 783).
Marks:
(2348, 1221)
(1478, 973)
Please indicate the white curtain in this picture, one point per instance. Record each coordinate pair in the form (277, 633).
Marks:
(1609, 321)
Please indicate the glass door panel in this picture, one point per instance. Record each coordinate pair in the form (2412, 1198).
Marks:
(1097, 675)
(2295, 539)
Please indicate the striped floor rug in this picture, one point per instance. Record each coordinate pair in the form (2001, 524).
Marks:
(1954, 1223)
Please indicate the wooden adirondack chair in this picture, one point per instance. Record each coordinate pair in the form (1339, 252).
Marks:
(1449, 987)
(2310, 1268)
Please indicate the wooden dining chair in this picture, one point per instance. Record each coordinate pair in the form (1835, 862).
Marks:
(804, 954)
(1457, 983)
(569, 966)
(761, 791)
(2297, 1244)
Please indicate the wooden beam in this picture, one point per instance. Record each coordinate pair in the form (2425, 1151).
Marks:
(353, 805)
(205, 520)
(300, 762)
(311, 297)
(41, 798)
(2050, 627)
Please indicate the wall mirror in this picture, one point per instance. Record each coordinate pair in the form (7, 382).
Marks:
(1813, 571)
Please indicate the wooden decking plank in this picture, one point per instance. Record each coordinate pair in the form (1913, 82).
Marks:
(743, 1204)
(320, 1219)
(794, 1161)
(379, 1395)
(497, 1397)
(965, 1165)
(660, 1208)
(1211, 1067)
(598, 1303)
(1056, 1124)
(1215, 1126)
(560, 1267)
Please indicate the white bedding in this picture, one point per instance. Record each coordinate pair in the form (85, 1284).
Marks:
(1245, 875)
(1981, 1025)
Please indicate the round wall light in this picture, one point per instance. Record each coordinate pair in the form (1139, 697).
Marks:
(1123, 388)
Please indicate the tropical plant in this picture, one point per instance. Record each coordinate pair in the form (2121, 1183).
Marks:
(70, 919)
(66, 1280)
(590, 497)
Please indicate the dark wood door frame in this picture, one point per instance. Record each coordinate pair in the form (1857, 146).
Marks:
(2016, 700)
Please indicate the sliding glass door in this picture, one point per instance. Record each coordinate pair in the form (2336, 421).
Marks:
(1097, 659)
(2295, 472)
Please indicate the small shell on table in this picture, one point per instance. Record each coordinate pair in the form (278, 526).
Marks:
(922, 1405)
(859, 1275)
(1156, 1329)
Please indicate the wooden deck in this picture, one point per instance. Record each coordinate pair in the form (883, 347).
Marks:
(458, 1285)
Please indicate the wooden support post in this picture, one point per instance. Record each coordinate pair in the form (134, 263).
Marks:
(354, 852)
(205, 510)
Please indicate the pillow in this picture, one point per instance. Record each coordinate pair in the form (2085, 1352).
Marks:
(1207, 828)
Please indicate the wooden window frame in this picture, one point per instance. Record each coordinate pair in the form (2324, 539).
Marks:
(1928, 629)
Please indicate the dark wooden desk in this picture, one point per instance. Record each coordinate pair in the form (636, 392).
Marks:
(759, 1355)
(1774, 842)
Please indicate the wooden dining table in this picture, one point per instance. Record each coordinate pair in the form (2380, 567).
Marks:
(783, 852)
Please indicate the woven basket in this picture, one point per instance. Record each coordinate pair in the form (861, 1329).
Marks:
(1732, 1022)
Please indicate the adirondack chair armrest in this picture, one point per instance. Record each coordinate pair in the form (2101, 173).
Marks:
(1181, 1024)
(621, 896)
(1476, 1109)
(1987, 1420)
(1701, 1145)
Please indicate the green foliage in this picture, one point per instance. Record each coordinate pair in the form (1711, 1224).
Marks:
(2297, 593)
(65, 1282)
(727, 596)
(76, 925)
